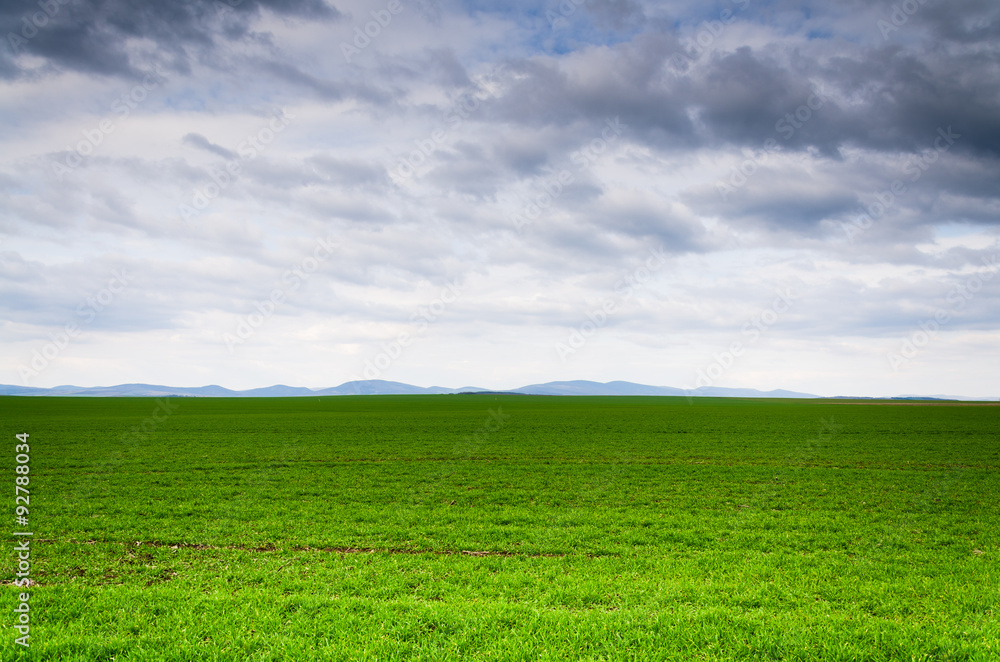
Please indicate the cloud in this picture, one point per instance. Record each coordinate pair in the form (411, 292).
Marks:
(534, 164)
(199, 141)
(107, 37)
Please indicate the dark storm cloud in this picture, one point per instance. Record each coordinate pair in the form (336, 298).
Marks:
(882, 96)
(540, 93)
(90, 35)
(901, 98)
(746, 98)
(778, 199)
(962, 22)
(199, 141)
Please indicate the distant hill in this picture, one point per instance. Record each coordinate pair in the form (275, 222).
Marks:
(383, 387)
(369, 387)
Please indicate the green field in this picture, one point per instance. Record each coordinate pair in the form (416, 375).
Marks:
(484, 527)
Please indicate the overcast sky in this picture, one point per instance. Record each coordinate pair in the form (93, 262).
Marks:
(798, 195)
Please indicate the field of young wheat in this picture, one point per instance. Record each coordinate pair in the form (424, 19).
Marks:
(488, 527)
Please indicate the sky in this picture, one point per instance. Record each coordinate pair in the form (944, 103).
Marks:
(800, 195)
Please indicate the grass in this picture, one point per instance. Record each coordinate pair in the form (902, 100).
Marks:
(491, 527)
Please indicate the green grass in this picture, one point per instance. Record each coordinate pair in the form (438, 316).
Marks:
(576, 528)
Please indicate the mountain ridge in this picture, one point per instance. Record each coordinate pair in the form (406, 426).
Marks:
(383, 387)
